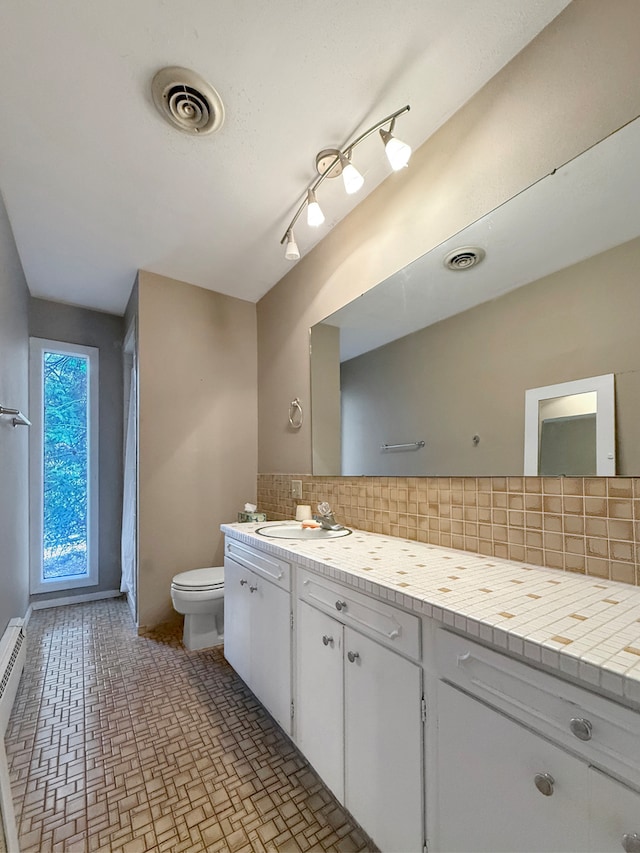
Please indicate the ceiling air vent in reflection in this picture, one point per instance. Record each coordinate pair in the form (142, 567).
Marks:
(187, 101)
(464, 258)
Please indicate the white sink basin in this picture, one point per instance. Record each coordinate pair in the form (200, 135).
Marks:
(294, 530)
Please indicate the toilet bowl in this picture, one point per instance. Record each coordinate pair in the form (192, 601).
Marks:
(199, 595)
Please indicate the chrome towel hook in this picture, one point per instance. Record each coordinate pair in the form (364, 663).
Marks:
(296, 415)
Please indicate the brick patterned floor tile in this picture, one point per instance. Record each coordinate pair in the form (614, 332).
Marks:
(120, 743)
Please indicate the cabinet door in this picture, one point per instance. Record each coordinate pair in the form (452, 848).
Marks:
(271, 648)
(486, 783)
(237, 621)
(614, 814)
(319, 705)
(383, 743)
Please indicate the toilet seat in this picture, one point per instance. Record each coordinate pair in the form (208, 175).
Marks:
(201, 580)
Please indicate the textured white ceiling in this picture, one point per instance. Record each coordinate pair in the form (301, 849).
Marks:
(97, 186)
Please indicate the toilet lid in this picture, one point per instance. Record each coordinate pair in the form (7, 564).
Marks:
(211, 578)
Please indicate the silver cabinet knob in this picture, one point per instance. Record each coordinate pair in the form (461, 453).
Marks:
(353, 656)
(341, 605)
(581, 728)
(544, 783)
(631, 842)
(252, 588)
(326, 640)
(243, 582)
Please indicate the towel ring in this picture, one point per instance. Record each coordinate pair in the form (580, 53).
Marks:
(296, 415)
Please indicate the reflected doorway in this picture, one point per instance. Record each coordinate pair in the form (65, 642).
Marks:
(570, 429)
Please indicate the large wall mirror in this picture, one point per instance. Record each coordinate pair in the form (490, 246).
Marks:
(427, 373)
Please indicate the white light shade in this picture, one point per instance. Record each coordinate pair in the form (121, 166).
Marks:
(292, 253)
(351, 177)
(398, 152)
(315, 216)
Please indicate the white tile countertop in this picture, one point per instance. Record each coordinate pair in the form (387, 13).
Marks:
(583, 627)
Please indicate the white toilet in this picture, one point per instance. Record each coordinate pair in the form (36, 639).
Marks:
(199, 594)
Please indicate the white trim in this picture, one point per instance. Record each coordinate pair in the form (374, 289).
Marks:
(46, 603)
(7, 814)
(27, 616)
(37, 346)
(604, 386)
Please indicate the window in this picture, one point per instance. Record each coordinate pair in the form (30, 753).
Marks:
(63, 465)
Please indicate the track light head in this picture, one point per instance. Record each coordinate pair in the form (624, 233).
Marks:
(291, 253)
(398, 152)
(315, 216)
(351, 177)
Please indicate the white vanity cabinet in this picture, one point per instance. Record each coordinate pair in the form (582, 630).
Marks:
(237, 620)
(257, 625)
(614, 815)
(486, 783)
(359, 707)
(319, 695)
(516, 759)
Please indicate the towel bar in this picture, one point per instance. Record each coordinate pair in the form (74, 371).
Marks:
(411, 445)
(18, 418)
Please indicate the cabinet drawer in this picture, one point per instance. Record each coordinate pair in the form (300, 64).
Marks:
(381, 621)
(267, 566)
(598, 729)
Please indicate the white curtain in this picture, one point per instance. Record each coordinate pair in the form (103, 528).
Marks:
(128, 544)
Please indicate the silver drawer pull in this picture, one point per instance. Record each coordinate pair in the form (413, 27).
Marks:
(253, 588)
(460, 659)
(353, 656)
(581, 728)
(243, 582)
(544, 783)
(341, 605)
(326, 640)
(631, 842)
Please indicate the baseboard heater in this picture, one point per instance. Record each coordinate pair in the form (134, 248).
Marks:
(12, 654)
(13, 650)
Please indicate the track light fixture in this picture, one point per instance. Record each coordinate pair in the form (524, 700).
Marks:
(332, 162)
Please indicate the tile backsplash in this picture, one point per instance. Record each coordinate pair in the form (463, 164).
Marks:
(589, 525)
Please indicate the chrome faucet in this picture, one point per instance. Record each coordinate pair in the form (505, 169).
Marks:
(326, 519)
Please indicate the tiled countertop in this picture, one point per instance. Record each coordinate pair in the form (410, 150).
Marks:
(584, 627)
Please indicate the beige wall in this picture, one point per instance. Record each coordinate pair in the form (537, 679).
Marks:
(468, 374)
(197, 428)
(577, 82)
(14, 443)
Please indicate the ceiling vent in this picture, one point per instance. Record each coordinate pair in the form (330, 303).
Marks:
(464, 258)
(187, 101)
